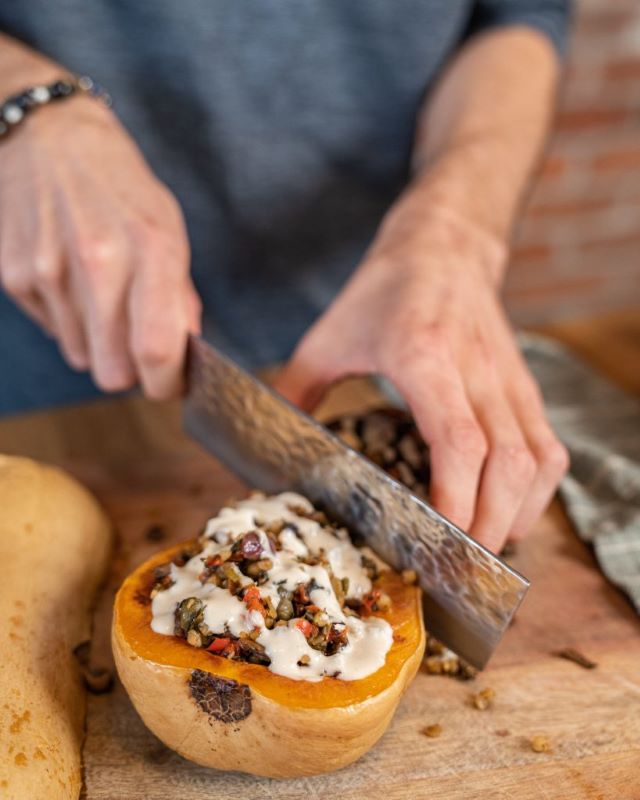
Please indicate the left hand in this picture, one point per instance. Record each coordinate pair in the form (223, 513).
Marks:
(423, 310)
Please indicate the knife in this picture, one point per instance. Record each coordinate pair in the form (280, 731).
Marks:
(470, 594)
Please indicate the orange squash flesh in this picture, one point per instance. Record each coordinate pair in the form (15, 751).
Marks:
(155, 670)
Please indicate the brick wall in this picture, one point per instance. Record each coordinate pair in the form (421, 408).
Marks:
(577, 249)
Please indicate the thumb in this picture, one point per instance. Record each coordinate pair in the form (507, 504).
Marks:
(305, 379)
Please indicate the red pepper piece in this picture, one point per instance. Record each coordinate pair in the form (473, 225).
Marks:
(218, 645)
(253, 601)
(308, 628)
(369, 600)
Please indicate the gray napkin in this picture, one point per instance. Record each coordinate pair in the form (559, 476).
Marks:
(600, 425)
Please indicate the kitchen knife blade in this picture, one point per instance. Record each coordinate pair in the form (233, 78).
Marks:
(470, 594)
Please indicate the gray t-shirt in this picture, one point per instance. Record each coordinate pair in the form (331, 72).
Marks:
(284, 127)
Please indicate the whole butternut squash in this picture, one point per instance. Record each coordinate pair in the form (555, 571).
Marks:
(54, 548)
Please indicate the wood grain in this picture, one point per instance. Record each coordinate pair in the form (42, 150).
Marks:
(134, 456)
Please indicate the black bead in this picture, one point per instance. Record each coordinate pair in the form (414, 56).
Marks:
(24, 101)
(61, 89)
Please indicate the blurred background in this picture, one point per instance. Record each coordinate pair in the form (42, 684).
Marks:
(577, 249)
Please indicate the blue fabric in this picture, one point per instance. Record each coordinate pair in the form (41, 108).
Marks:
(284, 127)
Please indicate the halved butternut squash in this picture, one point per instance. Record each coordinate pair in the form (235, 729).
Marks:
(240, 716)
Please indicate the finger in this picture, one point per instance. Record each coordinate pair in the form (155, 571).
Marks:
(159, 321)
(51, 281)
(457, 445)
(53, 285)
(510, 468)
(18, 284)
(101, 268)
(17, 272)
(550, 454)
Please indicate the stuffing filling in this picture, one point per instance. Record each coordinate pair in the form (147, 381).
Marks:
(272, 581)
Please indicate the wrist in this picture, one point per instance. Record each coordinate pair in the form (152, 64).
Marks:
(429, 215)
(30, 111)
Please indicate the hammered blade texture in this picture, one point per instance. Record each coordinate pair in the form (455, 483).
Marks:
(471, 594)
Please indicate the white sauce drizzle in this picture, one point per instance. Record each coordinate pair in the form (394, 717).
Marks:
(369, 640)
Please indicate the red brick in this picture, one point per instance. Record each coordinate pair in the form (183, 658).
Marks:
(611, 242)
(571, 208)
(552, 167)
(623, 69)
(622, 159)
(585, 119)
(533, 252)
(557, 288)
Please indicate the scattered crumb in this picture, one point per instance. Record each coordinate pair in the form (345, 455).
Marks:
(409, 576)
(576, 656)
(483, 699)
(540, 744)
(439, 660)
(155, 533)
(503, 732)
(432, 731)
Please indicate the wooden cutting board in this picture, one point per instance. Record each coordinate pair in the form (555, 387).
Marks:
(158, 488)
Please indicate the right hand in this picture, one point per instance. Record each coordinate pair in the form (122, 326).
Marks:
(94, 248)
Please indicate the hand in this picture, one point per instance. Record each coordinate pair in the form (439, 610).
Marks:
(423, 310)
(93, 247)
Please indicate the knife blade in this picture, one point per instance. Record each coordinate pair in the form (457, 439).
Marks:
(470, 594)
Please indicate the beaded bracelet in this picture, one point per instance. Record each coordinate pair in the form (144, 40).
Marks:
(15, 108)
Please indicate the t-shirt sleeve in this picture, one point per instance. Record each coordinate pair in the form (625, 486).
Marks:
(550, 17)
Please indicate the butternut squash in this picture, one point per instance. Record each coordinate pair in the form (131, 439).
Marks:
(235, 715)
(54, 548)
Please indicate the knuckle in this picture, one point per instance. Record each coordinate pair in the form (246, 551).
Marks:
(554, 457)
(466, 437)
(48, 271)
(96, 253)
(516, 461)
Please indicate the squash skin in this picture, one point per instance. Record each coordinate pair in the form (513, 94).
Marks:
(293, 728)
(55, 545)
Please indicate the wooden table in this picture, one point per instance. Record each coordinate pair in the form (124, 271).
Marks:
(135, 458)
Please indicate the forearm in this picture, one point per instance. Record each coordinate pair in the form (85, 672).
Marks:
(481, 131)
